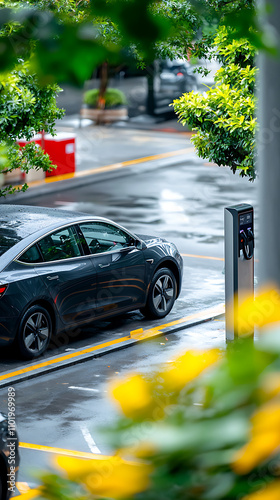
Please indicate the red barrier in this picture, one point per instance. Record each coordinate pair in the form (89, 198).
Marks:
(61, 150)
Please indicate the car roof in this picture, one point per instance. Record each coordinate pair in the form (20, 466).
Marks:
(26, 220)
(27, 223)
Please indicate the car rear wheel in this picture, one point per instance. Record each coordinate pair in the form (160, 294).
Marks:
(34, 332)
(162, 294)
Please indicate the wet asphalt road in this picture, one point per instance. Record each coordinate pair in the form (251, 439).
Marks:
(70, 409)
(183, 203)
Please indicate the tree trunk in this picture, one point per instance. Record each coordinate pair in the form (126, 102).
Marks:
(102, 89)
(151, 91)
(103, 85)
(269, 158)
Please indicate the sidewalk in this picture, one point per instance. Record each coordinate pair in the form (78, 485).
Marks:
(140, 122)
(98, 145)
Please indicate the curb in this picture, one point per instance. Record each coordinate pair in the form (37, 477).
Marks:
(38, 368)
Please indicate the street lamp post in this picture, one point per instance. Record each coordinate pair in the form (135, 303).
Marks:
(269, 157)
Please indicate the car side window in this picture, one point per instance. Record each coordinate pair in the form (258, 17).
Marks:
(31, 256)
(103, 237)
(61, 244)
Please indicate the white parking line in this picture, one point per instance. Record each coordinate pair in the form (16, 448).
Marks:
(83, 388)
(89, 439)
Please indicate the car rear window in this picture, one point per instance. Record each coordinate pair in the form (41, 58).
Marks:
(32, 255)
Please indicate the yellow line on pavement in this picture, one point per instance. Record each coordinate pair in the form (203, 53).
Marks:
(109, 168)
(201, 256)
(135, 334)
(62, 358)
(62, 451)
(22, 487)
(144, 334)
(28, 495)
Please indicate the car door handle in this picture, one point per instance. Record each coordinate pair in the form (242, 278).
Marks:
(53, 277)
(104, 265)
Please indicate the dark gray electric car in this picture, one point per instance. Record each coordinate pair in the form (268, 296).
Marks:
(61, 270)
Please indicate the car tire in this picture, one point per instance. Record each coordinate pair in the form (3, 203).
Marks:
(162, 294)
(34, 332)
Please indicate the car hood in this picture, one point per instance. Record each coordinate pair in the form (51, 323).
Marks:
(151, 240)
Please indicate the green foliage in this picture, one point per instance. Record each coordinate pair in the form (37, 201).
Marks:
(26, 108)
(64, 40)
(92, 31)
(224, 116)
(113, 98)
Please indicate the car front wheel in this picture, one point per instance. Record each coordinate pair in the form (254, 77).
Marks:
(162, 294)
(34, 332)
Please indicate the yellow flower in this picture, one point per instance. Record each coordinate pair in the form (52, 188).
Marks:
(271, 385)
(109, 478)
(265, 439)
(187, 367)
(270, 492)
(30, 494)
(261, 311)
(133, 394)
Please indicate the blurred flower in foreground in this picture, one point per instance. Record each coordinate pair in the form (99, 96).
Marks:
(271, 492)
(142, 398)
(270, 386)
(262, 310)
(133, 395)
(265, 439)
(187, 367)
(109, 478)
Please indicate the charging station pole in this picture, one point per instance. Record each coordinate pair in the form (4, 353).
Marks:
(239, 262)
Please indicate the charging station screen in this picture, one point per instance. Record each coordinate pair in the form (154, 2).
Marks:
(246, 218)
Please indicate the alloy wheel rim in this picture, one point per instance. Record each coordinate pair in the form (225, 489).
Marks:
(36, 332)
(163, 293)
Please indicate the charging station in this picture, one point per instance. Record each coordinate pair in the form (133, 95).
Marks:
(239, 262)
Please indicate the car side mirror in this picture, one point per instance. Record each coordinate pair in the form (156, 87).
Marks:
(140, 245)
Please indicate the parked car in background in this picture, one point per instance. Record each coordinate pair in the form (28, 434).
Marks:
(177, 76)
(60, 270)
(9, 458)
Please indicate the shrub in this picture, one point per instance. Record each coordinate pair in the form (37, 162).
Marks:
(113, 97)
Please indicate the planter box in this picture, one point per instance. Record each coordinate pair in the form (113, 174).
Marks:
(105, 115)
(34, 175)
(16, 176)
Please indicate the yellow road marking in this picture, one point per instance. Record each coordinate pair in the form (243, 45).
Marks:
(201, 256)
(28, 495)
(109, 168)
(143, 334)
(135, 334)
(62, 358)
(22, 487)
(62, 451)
